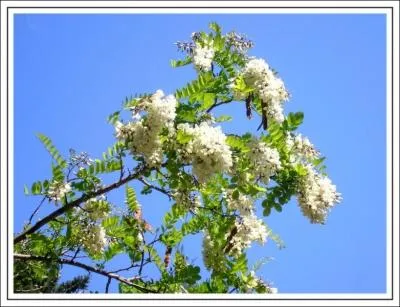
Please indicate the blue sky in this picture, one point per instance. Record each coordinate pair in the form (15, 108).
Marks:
(72, 71)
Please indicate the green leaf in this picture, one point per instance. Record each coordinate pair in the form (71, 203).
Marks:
(223, 118)
(131, 199)
(293, 121)
(215, 27)
(179, 63)
(208, 101)
(26, 190)
(182, 137)
(36, 188)
(113, 118)
(52, 150)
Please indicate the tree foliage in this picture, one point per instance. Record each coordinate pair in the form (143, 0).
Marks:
(174, 145)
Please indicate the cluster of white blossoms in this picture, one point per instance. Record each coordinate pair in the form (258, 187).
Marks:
(248, 227)
(57, 190)
(269, 87)
(243, 203)
(207, 150)
(143, 134)
(94, 239)
(252, 282)
(264, 159)
(301, 146)
(203, 57)
(316, 196)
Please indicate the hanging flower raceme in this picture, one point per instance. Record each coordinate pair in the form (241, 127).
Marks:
(264, 159)
(203, 57)
(94, 239)
(57, 190)
(143, 133)
(301, 147)
(316, 196)
(270, 89)
(248, 228)
(206, 150)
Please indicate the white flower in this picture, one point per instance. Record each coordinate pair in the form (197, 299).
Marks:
(264, 159)
(248, 229)
(269, 87)
(301, 147)
(207, 150)
(57, 190)
(143, 134)
(244, 204)
(94, 239)
(316, 196)
(202, 57)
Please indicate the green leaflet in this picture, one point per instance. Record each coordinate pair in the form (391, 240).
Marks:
(180, 63)
(131, 200)
(52, 150)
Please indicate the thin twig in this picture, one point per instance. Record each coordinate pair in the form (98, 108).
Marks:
(108, 284)
(36, 210)
(142, 180)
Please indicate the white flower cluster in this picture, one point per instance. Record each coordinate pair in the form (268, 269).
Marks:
(264, 159)
(213, 257)
(207, 150)
(94, 239)
(57, 190)
(243, 203)
(143, 134)
(316, 196)
(269, 87)
(249, 228)
(202, 57)
(253, 282)
(301, 146)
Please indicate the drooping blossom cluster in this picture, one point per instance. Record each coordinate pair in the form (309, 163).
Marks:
(301, 147)
(203, 57)
(94, 239)
(249, 228)
(270, 88)
(142, 134)
(264, 159)
(316, 196)
(57, 190)
(207, 150)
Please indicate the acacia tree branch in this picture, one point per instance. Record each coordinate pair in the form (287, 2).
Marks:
(217, 104)
(86, 267)
(76, 203)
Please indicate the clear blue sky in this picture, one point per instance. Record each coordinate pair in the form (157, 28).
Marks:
(72, 71)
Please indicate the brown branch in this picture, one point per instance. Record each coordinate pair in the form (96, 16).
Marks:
(86, 267)
(76, 203)
(217, 104)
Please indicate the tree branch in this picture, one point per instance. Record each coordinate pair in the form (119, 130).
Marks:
(76, 203)
(86, 267)
(218, 104)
